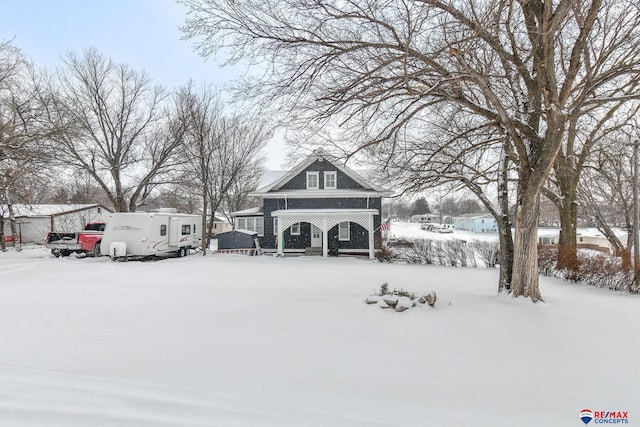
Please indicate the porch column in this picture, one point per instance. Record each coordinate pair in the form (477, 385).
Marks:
(325, 238)
(280, 238)
(371, 231)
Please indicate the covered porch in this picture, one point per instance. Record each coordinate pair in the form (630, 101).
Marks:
(324, 220)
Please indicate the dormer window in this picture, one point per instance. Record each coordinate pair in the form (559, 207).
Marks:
(330, 180)
(313, 180)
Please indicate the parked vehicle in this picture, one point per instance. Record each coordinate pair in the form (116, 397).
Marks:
(148, 234)
(86, 241)
(444, 230)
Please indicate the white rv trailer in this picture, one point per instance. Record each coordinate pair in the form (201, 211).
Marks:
(145, 234)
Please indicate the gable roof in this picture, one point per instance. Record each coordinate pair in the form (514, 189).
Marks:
(318, 154)
(24, 210)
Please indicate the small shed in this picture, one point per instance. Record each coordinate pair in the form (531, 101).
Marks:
(35, 221)
(239, 241)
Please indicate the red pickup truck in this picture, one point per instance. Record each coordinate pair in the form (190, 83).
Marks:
(86, 241)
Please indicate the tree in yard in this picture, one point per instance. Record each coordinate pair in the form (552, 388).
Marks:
(479, 163)
(22, 158)
(522, 68)
(587, 126)
(219, 152)
(113, 126)
(604, 193)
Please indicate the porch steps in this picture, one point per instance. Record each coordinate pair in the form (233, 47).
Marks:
(313, 251)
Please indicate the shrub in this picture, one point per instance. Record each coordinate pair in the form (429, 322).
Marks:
(595, 269)
(386, 254)
(487, 252)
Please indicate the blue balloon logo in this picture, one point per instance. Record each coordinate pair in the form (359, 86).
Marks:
(586, 416)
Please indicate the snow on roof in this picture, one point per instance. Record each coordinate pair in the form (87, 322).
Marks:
(594, 232)
(474, 215)
(23, 210)
(317, 155)
(270, 176)
(250, 211)
(243, 231)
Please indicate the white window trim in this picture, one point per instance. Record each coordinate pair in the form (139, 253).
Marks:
(348, 236)
(295, 229)
(334, 174)
(317, 176)
(275, 226)
(251, 223)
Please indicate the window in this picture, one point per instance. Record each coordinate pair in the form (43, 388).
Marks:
(330, 181)
(163, 230)
(313, 179)
(275, 226)
(255, 224)
(295, 229)
(344, 231)
(186, 229)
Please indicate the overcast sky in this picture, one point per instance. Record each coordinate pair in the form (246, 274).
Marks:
(144, 34)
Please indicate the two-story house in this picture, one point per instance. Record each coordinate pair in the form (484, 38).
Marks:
(318, 207)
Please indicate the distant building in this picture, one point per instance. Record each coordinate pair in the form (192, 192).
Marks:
(425, 218)
(35, 221)
(221, 224)
(587, 238)
(476, 223)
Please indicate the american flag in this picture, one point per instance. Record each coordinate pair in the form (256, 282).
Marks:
(385, 226)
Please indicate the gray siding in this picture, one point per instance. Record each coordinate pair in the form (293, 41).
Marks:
(299, 181)
(359, 236)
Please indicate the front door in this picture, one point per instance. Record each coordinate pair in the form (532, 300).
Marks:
(316, 237)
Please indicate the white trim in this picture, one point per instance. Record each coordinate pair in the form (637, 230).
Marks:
(316, 175)
(250, 223)
(320, 194)
(295, 232)
(317, 155)
(327, 174)
(325, 219)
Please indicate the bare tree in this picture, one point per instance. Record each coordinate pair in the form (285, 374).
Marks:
(586, 128)
(523, 67)
(113, 126)
(219, 152)
(604, 191)
(21, 156)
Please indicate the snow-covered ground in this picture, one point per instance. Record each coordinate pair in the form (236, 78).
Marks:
(228, 340)
(412, 230)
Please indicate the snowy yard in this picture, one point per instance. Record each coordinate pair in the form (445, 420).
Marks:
(229, 340)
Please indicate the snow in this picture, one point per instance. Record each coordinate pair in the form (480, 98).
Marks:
(228, 340)
(411, 230)
(44, 209)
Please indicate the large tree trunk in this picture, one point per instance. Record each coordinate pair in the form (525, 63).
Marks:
(567, 241)
(3, 244)
(505, 255)
(568, 211)
(205, 234)
(504, 226)
(525, 279)
(17, 243)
